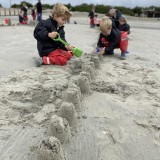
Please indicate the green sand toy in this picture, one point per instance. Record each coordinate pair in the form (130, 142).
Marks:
(76, 51)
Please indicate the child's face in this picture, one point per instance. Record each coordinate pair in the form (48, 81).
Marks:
(60, 21)
(121, 22)
(107, 32)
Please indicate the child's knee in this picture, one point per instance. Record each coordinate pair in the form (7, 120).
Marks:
(61, 61)
(69, 55)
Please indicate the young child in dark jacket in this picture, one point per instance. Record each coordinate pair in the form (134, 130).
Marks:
(123, 25)
(21, 18)
(111, 38)
(50, 51)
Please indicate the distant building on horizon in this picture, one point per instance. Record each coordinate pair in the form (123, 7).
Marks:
(150, 13)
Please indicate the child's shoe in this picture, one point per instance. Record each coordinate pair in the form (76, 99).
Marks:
(38, 62)
(123, 56)
(127, 52)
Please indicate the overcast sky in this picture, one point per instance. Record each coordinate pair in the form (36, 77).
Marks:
(126, 3)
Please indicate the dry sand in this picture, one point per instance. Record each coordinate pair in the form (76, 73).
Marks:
(106, 110)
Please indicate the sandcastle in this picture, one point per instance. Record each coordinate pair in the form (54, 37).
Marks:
(86, 74)
(89, 68)
(84, 85)
(49, 149)
(67, 111)
(73, 95)
(59, 128)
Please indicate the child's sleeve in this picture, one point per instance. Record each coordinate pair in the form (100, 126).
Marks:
(40, 32)
(99, 43)
(128, 28)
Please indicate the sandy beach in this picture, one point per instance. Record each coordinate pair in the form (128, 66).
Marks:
(94, 108)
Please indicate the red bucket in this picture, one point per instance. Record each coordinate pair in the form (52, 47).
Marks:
(6, 20)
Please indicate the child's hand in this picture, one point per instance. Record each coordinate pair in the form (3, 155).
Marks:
(69, 47)
(52, 35)
(102, 50)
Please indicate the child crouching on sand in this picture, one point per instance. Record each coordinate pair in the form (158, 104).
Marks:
(50, 51)
(111, 38)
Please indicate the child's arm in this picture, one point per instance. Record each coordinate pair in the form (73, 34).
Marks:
(40, 32)
(128, 28)
(100, 47)
(99, 43)
(69, 47)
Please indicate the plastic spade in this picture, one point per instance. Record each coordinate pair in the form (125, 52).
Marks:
(76, 51)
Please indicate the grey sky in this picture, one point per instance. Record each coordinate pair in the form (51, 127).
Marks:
(126, 3)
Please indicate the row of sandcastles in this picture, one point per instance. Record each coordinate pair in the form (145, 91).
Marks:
(65, 91)
(59, 127)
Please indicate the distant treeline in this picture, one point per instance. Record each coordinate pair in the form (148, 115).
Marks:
(98, 8)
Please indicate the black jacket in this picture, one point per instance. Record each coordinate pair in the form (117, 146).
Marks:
(125, 27)
(21, 19)
(91, 14)
(39, 7)
(24, 9)
(116, 19)
(113, 40)
(45, 45)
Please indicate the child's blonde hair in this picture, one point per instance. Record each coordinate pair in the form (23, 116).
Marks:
(60, 10)
(105, 24)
